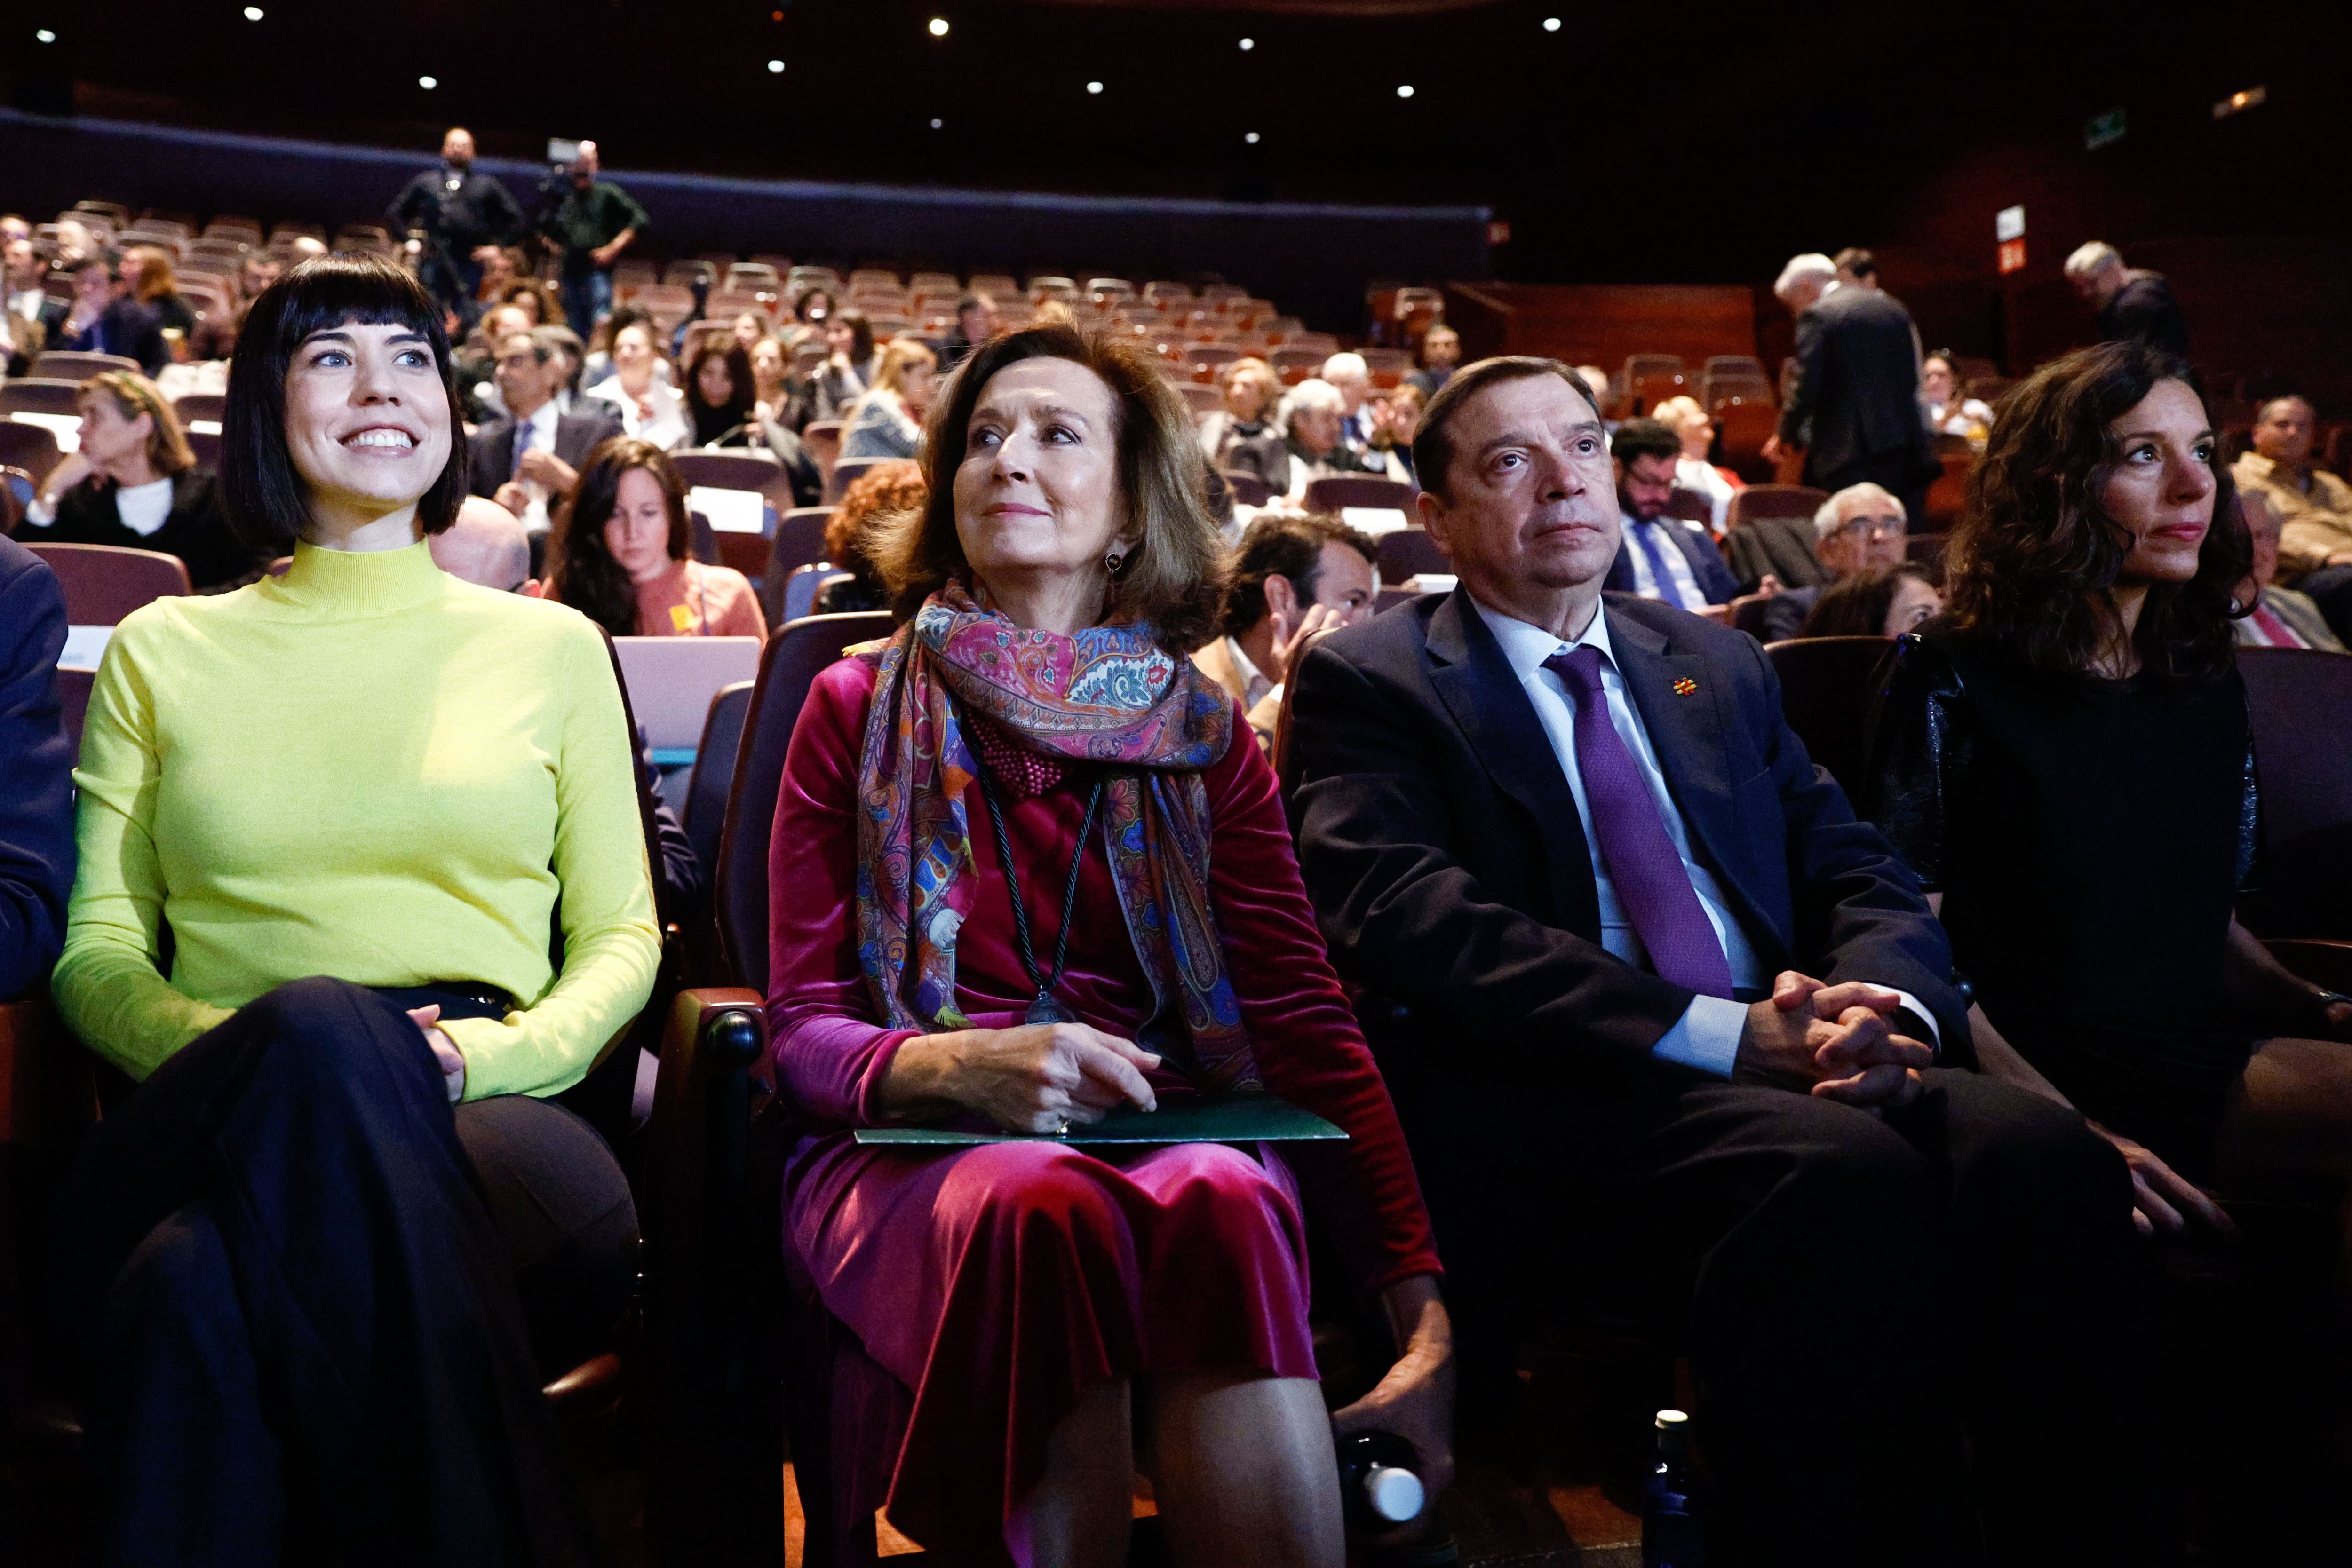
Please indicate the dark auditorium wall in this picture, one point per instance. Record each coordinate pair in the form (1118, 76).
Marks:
(1313, 259)
(1603, 323)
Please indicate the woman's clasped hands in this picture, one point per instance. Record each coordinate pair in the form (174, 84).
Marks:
(1035, 1078)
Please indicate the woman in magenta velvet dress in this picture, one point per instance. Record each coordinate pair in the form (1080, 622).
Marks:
(1063, 1315)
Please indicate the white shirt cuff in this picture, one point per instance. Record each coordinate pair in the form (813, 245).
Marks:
(1934, 1031)
(1707, 1037)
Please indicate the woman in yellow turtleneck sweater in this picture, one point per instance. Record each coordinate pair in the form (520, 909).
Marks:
(322, 1258)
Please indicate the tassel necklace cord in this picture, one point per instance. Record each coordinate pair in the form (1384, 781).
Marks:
(1046, 1008)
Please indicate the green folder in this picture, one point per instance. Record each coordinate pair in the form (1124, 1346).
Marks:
(1234, 1119)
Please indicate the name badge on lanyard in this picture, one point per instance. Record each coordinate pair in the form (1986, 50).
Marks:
(681, 619)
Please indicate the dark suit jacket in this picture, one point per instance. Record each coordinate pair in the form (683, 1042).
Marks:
(492, 455)
(194, 530)
(126, 328)
(2144, 310)
(1714, 578)
(1857, 391)
(36, 853)
(1441, 849)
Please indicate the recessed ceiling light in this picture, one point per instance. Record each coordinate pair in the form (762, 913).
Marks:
(253, 13)
(1094, 86)
(1248, 44)
(1405, 91)
(46, 36)
(775, 67)
(939, 26)
(935, 125)
(1551, 24)
(428, 83)
(1251, 139)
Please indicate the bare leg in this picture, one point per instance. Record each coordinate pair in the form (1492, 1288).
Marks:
(1081, 1507)
(1243, 1471)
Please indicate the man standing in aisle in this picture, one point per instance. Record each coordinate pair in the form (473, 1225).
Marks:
(1855, 409)
(591, 222)
(455, 219)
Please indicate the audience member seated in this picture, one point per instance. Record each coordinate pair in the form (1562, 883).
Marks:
(1055, 1311)
(1695, 427)
(1441, 350)
(811, 312)
(1660, 556)
(2135, 306)
(888, 420)
(2281, 617)
(599, 368)
(37, 855)
(33, 317)
(360, 797)
(883, 494)
(1659, 1017)
(568, 361)
(1240, 437)
(2066, 757)
(1859, 530)
(1949, 412)
(1354, 378)
(529, 459)
(719, 394)
(1876, 602)
(486, 544)
(619, 554)
(105, 320)
(975, 324)
(534, 299)
(135, 485)
(1395, 419)
(650, 411)
(1317, 449)
(849, 367)
(774, 397)
(147, 270)
(2314, 506)
(1293, 574)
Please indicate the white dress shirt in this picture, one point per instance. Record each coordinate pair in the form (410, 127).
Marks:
(1707, 1037)
(1255, 687)
(1698, 473)
(1681, 588)
(665, 427)
(536, 434)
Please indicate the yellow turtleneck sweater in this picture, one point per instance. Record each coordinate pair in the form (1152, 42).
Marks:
(370, 769)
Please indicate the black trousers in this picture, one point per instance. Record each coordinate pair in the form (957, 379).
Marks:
(314, 1308)
(1915, 1338)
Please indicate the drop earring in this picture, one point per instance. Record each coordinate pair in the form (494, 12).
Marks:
(1112, 561)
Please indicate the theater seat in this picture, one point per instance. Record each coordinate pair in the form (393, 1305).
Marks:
(2301, 704)
(104, 583)
(1826, 687)
(30, 448)
(1408, 552)
(799, 541)
(58, 365)
(848, 471)
(1248, 490)
(1774, 501)
(1342, 490)
(1782, 546)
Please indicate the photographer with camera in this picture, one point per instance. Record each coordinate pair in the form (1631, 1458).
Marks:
(590, 222)
(454, 221)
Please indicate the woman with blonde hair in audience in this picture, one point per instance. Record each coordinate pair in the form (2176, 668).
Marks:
(1240, 437)
(887, 421)
(884, 492)
(1039, 873)
(154, 283)
(134, 484)
(1695, 428)
(319, 1264)
(650, 409)
(2065, 758)
(619, 553)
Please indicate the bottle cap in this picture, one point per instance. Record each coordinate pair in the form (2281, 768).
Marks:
(1394, 1494)
(1674, 1435)
(1673, 1421)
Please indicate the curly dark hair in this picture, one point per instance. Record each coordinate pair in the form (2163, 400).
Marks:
(885, 490)
(581, 571)
(1176, 578)
(2033, 559)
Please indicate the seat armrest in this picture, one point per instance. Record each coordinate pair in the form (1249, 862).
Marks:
(49, 1084)
(2325, 964)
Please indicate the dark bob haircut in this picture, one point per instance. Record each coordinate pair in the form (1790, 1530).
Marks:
(2033, 560)
(1432, 444)
(1175, 577)
(264, 498)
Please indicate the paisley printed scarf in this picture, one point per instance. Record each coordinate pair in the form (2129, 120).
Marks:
(1108, 697)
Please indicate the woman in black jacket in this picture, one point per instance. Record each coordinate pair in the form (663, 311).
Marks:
(135, 485)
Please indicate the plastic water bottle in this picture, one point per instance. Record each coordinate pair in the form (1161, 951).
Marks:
(1673, 1533)
(1379, 1484)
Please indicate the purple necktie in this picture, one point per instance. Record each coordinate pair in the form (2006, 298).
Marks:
(1635, 845)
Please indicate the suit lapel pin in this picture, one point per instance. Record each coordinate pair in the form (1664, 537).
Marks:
(1684, 686)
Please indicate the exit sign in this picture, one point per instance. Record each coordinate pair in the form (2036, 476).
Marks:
(2102, 128)
(2012, 256)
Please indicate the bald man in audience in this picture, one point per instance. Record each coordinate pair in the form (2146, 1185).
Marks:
(487, 545)
(2314, 506)
(1676, 1041)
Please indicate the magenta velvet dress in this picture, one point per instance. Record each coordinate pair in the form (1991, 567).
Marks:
(999, 1282)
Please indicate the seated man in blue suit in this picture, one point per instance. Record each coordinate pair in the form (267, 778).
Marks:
(1676, 1043)
(1661, 557)
(37, 856)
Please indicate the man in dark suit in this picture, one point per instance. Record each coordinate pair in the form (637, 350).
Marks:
(105, 319)
(36, 851)
(528, 461)
(1855, 409)
(2134, 304)
(1659, 1016)
(1661, 557)
(459, 219)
